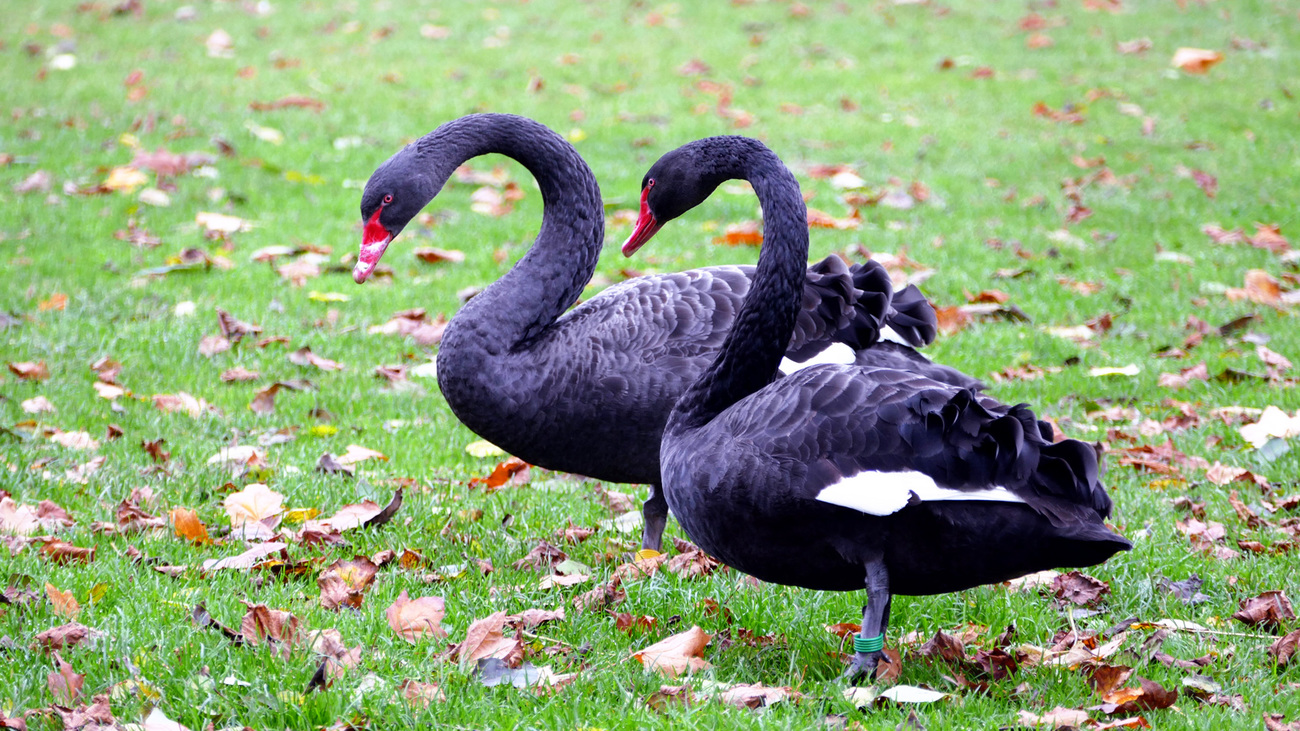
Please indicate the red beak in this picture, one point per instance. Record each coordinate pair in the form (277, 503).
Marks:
(646, 227)
(374, 240)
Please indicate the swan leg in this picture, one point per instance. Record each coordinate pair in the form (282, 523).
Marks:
(875, 620)
(655, 512)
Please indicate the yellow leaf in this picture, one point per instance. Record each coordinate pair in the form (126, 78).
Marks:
(125, 178)
(298, 515)
(484, 448)
(323, 430)
(327, 297)
(576, 135)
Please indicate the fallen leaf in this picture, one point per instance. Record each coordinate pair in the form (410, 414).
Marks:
(65, 683)
(682, 652)
(415, 618)
(344, 583)
(1195, 60)
(256, 503)
(263, 624)
(29, 371)
(1057, 718)
(158, 721)
(1079, 588)
(246, 560)
(420, 694)
(63, 553)
(1284, 649)
(67, 635)
(64, 603)
(484, 639)
(1268, 611)
(1149, 696)
(186, 524)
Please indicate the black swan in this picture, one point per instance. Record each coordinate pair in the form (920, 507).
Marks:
(843, 477)
(588, 390)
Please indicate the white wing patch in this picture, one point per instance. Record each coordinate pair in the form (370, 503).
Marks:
(886, 493)
(833, 353)
(890, 335)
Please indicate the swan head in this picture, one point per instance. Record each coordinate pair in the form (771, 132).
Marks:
(391, 199)
(676, 183)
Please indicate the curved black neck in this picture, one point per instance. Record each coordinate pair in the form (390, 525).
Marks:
(753, 349)
(549, 278)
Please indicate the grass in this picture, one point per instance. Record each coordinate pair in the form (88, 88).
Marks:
(871, 92)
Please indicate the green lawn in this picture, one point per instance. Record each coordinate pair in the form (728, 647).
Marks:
(942, 96)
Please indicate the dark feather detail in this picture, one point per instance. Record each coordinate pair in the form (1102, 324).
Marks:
(912, 316)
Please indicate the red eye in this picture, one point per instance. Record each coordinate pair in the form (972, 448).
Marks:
(650, 184)
(388, 199)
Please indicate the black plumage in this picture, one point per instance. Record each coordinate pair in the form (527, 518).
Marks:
(588, 389)
(844, 477)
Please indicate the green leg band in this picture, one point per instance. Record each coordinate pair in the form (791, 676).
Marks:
(868, 644)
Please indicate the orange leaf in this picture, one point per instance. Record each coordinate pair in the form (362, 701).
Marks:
(65, 605)
(186, 524)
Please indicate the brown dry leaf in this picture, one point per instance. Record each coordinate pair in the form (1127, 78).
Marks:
(1105, 679)
(66, 635)
(304, 357)
(98, 716)
(263, 624)
(1261, 287)
(530, 618)
(1284, 649)
(415, 618)
(543, 556)
(682, 652)
(29, 371)
(484, 639)
(186, 524)
(256, 503)
(234, 329)
(344, 582)
(62, 552)
(1181, 379)
(631, 623)
(756, 695)
(1268, 611)
(239, 373)
(1150, 696)
(182, 402)
(691, 562)
(65, 604)
(293, 100)
(1195, 60)
(65, 683)
(952, 320)
(210, 345)
(420, 695)
(1079, 588)
(430, 255)
(602, 597)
